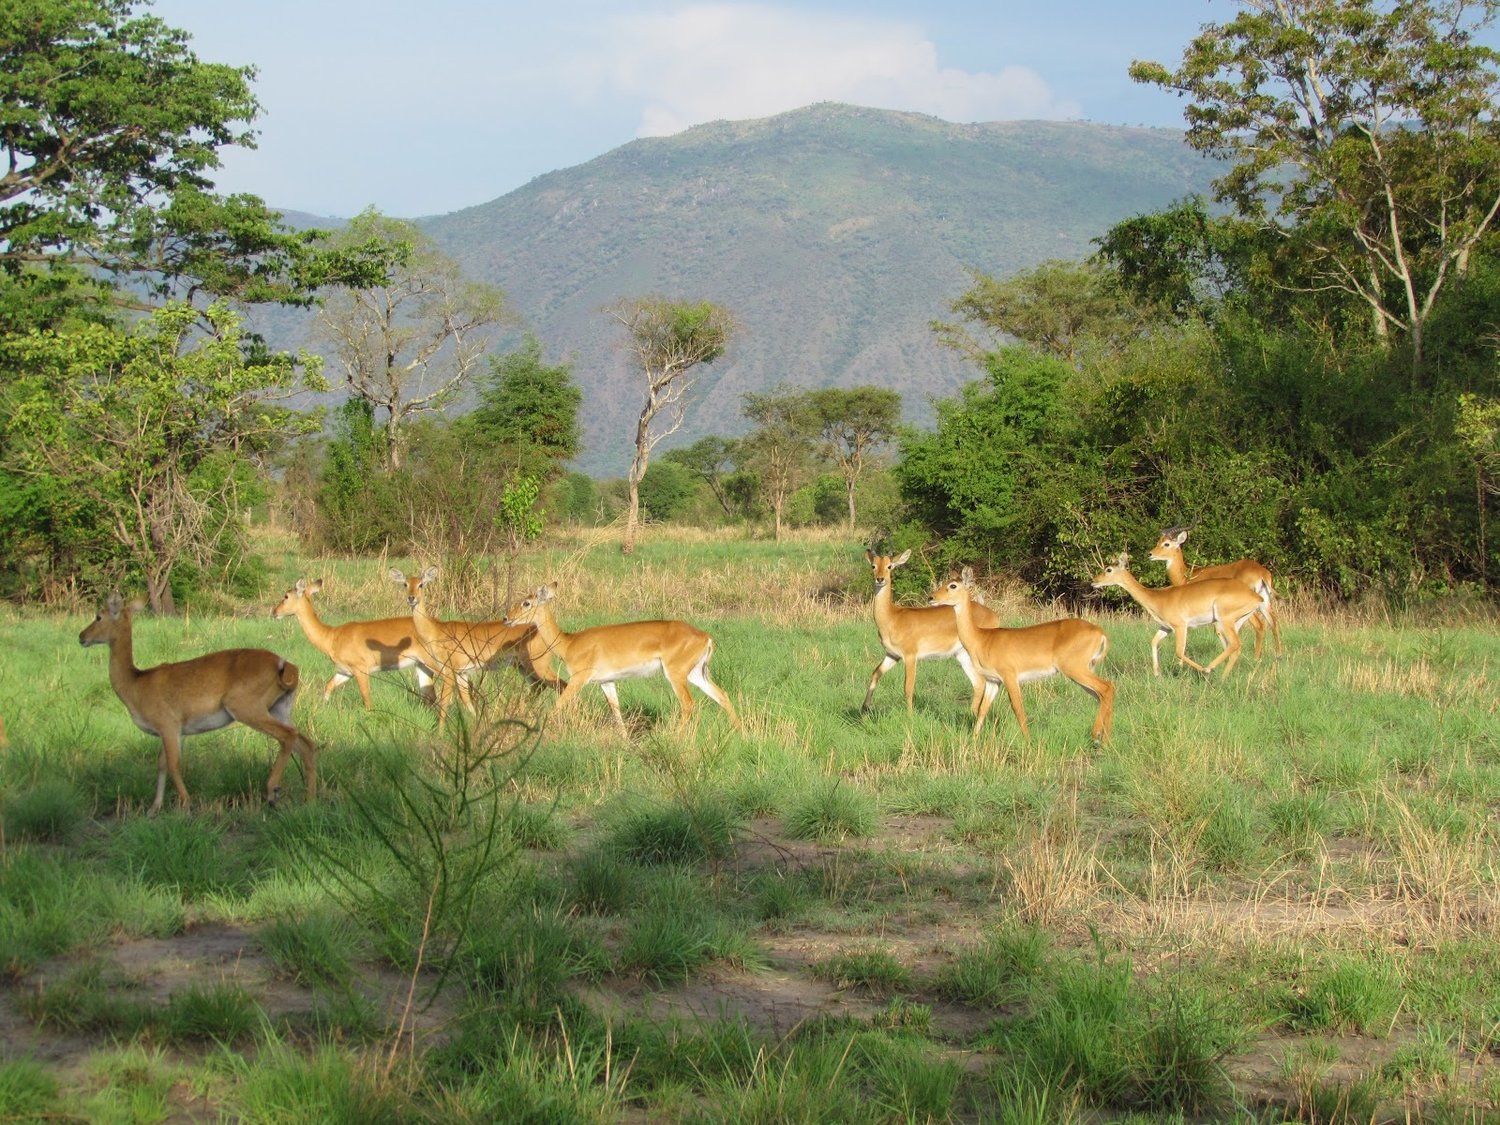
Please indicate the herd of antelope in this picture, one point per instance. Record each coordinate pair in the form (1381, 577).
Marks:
(256, 687)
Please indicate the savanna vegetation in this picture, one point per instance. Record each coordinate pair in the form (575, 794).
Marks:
(1270, 895)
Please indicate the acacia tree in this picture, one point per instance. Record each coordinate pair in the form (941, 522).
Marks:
(147, 429)
(855, 423)
(671, 339)
(406, 344)
(780, 448)
(1363, 130)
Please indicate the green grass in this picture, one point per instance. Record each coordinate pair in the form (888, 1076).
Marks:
(1303, 850)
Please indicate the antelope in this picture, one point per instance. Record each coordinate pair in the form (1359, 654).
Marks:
(604, 654)
(357, 648)
(1014, 657)
(1223, 602)
(1248, 571)
(235, 685)
(455, 648)
(913, 633)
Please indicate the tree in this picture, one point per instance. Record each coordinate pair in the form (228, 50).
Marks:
(406, 344)
(147, 429)
(855, 422)
(1066, 309)
(101, 116)
(780, 448)
(1365, 129)
(713, 460)
(530, 408)
(671, 339)
(110, 129)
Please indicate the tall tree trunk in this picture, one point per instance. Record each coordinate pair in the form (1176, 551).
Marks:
(849, 492)
(392, 439)
(633, 508)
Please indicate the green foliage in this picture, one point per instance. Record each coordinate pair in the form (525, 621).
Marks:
(1418, 199)
(529, 408)
(666, 490)
(143, 430)
(357, 504)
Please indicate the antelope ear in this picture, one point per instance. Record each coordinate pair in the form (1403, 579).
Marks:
(315, 587)
(967, 575)
(429, 574)
(114, 604)
(870, 556)
(136, 605)
(901, 558)
(300, 586)
(395, 575)
(1180, 538)
(545, 593)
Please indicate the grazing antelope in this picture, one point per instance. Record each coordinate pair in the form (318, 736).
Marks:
(1248, 571)
(913, 633)
(606, 653)
(1223, 602)
(456, 648)
(236, 685)
(1014, 657)
(357, 648)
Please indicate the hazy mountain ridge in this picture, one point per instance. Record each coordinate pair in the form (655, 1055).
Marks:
(835, 235)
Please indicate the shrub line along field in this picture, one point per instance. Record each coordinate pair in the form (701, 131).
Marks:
(1268, 896)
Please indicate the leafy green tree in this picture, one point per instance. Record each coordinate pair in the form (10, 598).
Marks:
(1066, 309)
(855, 422)
(666, 490)
(781, 448)
(712, 460)
(530, 408)
(142, 428)
(671, 340)
(1365, 130)
(406, 344)
(110, 129)
(356, 501)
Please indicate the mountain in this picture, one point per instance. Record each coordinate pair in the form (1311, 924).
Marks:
(834, 234)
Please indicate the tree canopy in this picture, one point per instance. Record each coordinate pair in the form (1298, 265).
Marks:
(1365, 130)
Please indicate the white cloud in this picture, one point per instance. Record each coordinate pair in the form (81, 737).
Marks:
(702, 62)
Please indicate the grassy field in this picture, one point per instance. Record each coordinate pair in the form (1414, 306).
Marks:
(1271, 897)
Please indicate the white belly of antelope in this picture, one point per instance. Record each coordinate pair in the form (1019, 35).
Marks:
(650, 667)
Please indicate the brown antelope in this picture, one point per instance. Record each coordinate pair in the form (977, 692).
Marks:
(1013, 657)
(913, 633)
(236, 685)
(1224, 603)
(357, 648)
(1248, 571)
(606, 653)
(456, 648)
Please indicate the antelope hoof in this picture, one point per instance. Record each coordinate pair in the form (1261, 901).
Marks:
(272, 796)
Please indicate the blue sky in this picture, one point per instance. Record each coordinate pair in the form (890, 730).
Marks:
(425, 108)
